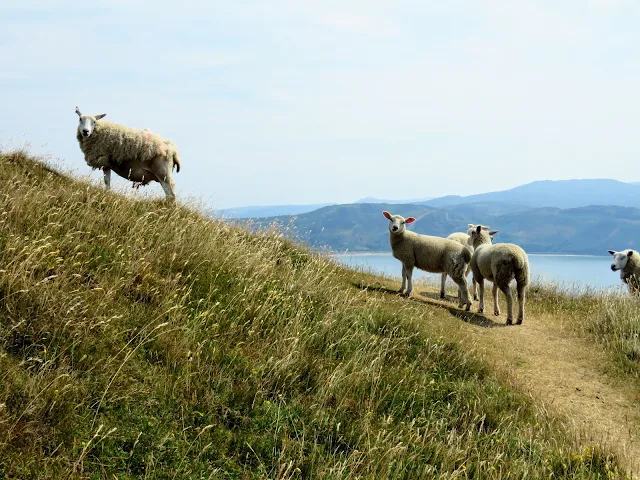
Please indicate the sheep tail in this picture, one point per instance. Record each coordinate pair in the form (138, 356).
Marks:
(176, 162)
(172, 153)
(466, 254)
(521, 270)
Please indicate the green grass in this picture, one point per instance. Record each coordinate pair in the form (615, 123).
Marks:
(612, 320)
(143, 340)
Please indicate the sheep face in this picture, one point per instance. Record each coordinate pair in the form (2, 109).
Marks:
(620, 259)
(87, 123)
(480, 235)
(397, 224)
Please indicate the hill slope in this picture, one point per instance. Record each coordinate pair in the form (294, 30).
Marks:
(141, 339)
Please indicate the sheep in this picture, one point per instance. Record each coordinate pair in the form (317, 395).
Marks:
(431, 254)
(137, 155)
(500, 264)
(628, 262)
(463, 238)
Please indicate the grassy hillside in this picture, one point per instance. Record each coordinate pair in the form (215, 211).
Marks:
(143, 340)
(360, 227)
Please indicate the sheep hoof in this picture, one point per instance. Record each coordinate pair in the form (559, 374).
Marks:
(468, 309)
(496, 313)
(519, 322)
(442, 295)
(509, 321)
(481, 310)
(475, 298)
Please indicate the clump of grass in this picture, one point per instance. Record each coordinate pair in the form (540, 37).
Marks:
(609, 317)
(141, 339)
(616, 325)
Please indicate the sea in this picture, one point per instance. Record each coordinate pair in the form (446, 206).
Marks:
(571, 272)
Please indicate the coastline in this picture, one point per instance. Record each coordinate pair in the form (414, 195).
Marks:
(536, 254)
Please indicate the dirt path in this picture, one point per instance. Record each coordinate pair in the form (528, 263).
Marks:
(563, 370)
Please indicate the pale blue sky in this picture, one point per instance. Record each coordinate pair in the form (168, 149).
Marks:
(306, 102)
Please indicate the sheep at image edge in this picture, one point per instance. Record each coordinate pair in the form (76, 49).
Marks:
(628, 262)
(137, 155)
(499, 264)
(463, 238)
(431, 254)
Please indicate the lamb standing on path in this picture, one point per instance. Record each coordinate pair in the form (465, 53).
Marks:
(431, 254)
(628, 262)
(463, 238)
(137, 155)
(500, 264)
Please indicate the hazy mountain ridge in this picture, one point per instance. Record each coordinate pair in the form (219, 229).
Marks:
(544, 193)
(556, 193)
(588, 230)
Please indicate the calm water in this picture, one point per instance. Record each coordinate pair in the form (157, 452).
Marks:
(568, 270)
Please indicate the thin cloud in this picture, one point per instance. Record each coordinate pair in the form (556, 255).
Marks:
(360, 24)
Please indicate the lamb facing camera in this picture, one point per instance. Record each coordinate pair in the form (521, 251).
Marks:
(431, 254)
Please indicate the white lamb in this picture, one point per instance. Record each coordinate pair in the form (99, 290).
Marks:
(500, 264)
(137, 155)
(628, 262)
(464, 239)
(431, 254)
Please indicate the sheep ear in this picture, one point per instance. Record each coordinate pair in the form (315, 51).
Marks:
(485, 227)
(386, 215)
(493, 232)
(102, 115)
(611, 252)
(471, 225)
(630, 253)
(409, 220)
(78, 112)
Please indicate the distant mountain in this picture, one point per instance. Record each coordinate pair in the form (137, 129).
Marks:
(390, 202)
(555, 193)
(266, 211)
(361, 228)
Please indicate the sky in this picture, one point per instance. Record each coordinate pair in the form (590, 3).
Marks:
(301, 102)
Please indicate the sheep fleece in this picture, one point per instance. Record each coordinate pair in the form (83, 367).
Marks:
(630, 274)
(431, 254)
(115, 143)
(501, 263)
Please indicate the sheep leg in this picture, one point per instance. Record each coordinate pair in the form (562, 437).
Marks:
(442, 283)
(507, 292)
(409, 271)
(521, 300)
(496, 305)
(168, 185)
(481, 285)
(475, 289)
(463, 293)
(107, 177)
(404, 279)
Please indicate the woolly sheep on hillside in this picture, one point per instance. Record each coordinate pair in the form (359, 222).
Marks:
(463, 238)
(137, 155)
(431, 254)
(628, 262)
(500, 264)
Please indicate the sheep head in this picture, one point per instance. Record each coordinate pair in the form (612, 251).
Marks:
(397, 224)
(87, 123)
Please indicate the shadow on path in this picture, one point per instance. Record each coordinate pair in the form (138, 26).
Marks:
(430, 298)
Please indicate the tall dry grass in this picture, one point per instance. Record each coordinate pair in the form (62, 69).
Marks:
(143, 340)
